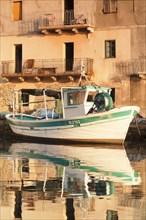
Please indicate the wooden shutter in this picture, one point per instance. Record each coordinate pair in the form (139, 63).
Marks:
(17, 11)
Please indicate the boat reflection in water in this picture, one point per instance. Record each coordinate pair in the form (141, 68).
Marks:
(66, 182)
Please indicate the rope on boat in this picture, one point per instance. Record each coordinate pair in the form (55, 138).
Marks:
(137, 126)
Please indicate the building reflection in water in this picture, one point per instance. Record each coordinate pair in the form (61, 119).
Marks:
(18, 205)
(71, 183)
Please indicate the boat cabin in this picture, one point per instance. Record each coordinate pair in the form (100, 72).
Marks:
(69, 101)
(79, 100)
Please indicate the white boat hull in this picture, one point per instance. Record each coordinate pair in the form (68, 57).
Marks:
(103, 133)
(110, 130)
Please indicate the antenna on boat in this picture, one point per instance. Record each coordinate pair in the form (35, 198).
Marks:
(45, 104)
(13, 103)
(83, 75)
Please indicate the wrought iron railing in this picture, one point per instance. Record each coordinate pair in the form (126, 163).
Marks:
(60, 65)
(128, 67)
(55, 18)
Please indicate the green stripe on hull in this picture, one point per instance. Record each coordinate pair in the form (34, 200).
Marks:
(70, 122)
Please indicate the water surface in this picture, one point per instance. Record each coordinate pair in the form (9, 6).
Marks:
(72, 182)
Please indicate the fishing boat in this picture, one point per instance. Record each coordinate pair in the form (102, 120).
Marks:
(85, 114)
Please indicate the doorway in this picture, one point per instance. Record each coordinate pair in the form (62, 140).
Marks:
(69, 56)
(113, 94)
(18, 58)
(68, 11)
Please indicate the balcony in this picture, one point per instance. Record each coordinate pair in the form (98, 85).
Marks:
(59, 23)
(49, 70)
(133, 67)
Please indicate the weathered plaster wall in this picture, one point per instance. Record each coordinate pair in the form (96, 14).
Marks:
(127, 27)
(138, 41)
(138, 93)
(92, 46)
(127, 13)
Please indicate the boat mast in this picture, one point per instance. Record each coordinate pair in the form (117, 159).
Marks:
(13, 103)
(83, 74)
(62, 101)
(45, 104)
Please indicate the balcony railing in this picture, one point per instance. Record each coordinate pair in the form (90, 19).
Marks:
(131, 67)
(45, 68)
(53, 21)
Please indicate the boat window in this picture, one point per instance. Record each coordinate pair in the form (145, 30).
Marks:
(76, 98)
(91, 96)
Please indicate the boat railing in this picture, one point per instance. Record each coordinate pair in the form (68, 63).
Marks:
(39, 107)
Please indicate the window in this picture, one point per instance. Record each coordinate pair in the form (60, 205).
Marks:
(76, 98)
(109, 6)
(110, 49)
(91, 96)
(17, 10)
(113, 94)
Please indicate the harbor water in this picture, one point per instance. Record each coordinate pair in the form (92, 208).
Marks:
(68, 181)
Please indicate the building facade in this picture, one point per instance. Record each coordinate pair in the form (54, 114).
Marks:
(44, 43)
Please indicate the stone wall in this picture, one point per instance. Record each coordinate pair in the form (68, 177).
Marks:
(6, 91)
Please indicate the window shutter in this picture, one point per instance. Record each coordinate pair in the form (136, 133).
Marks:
(17, 11)
(113, 5)
(106, 6)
